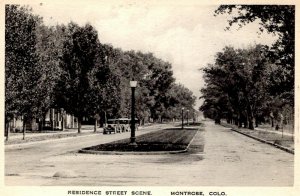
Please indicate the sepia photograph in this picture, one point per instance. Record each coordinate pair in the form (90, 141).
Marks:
(128, 97)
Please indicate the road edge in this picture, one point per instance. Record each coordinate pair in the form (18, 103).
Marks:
(264, 141)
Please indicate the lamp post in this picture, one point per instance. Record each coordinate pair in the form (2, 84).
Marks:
(187, 118)
(182, 117)
(133, 85)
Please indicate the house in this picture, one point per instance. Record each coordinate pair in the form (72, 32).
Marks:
(55, 119)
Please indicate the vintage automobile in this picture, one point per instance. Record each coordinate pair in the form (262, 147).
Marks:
(136, 124)
(112, 126)
(124, 124)
(119, 125)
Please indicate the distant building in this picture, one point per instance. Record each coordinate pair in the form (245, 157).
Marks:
(54, 120)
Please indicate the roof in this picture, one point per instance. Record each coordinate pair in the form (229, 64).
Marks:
(123, 119)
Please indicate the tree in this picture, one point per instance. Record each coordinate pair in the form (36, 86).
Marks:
(159, 80)
(49, 49)
(237, 85)
(67, 67)
(275, 19)
(104, 94)
(78, 59)
(154, 78)
(22, 70)
(179, 97)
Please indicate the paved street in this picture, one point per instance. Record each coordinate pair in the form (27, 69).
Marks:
(217, 157)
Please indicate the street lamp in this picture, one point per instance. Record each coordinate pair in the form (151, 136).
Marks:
(187, 119)
(182, 117)
(133, 85)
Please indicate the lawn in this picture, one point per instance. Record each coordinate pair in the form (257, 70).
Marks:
(273, 137)
(277, 138)
(174, 139)
(42, 137)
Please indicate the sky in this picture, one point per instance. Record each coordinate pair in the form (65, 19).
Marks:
(184, 33)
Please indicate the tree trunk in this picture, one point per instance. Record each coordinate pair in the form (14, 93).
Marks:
(24, 128)
(246, 123)
(143, 121)
(250, 118)
(79, 124)
(240, 121)
(6, 130)
(218, 119)
(41, 123)
(101, 121)
(13, 127)
(95, 127)
(256, 122)
(52, 125)
(236, 121)
(62, 122)
(272, 122)
(251, 124)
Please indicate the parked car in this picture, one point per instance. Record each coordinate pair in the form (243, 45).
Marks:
(137, 123)
(119, 125)
(112, 125)
(124, 124)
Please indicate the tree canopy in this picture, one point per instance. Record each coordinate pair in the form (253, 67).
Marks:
(278, 20)
(238, 87)
(257, 82)
(66, 66)
(22, 69)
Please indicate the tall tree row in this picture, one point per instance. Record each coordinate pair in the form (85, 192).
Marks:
(67, 67)
(254, 84)
(237, 85)
(277, 20)
(78, 59)
(155, 84)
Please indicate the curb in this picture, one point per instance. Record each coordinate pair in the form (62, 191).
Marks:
(138, 153)
(266, 142)
(9, 146)
(130, 153)
(74, 134)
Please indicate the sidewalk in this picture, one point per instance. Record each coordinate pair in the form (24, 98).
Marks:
(85, 129)
(267, 128)
(17, 138)
(279, 139)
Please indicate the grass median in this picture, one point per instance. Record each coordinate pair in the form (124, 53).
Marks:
(174, 139)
